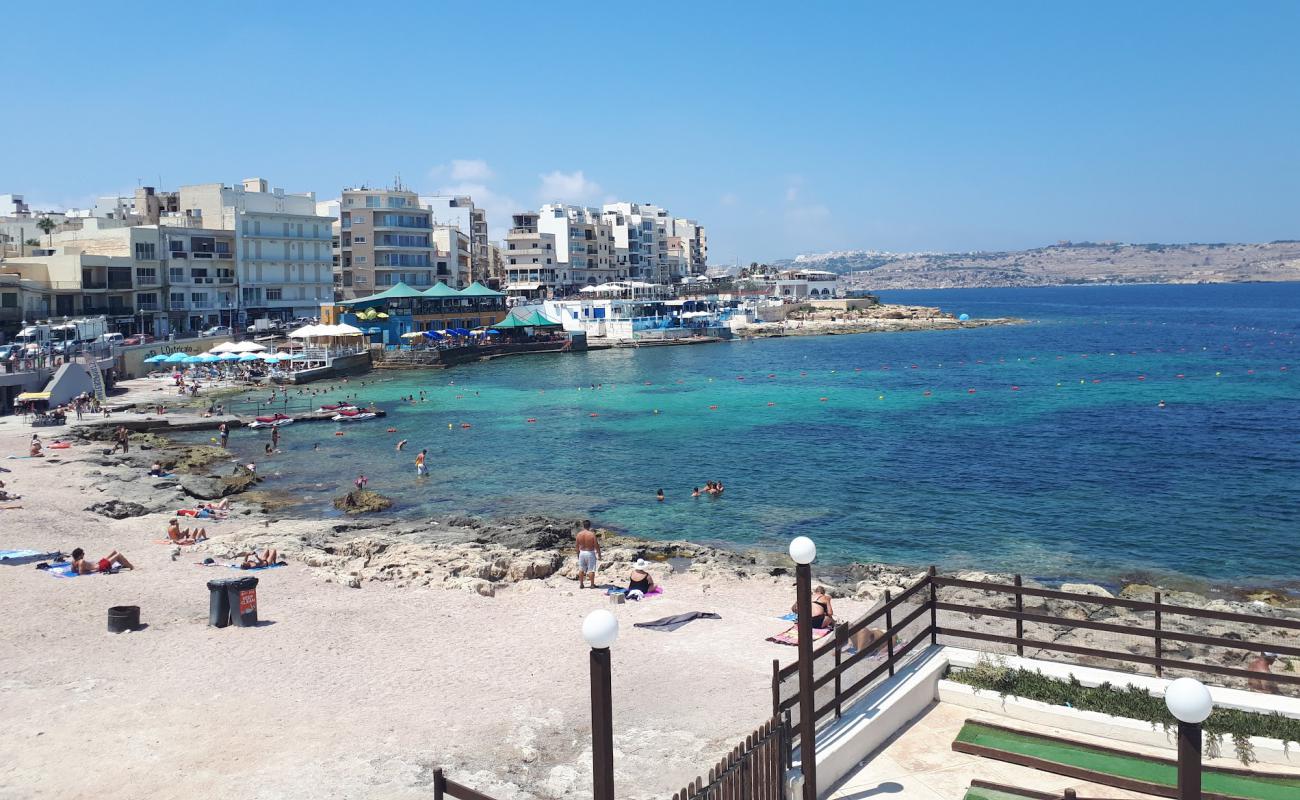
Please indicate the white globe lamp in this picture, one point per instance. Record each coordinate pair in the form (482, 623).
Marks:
(1189, 701)
(600, 629)
(803, 550)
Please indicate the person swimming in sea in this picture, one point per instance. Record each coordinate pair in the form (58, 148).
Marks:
(401, 445)
(1161, 404)
(659, 495)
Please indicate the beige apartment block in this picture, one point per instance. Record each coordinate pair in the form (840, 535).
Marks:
(385, 238)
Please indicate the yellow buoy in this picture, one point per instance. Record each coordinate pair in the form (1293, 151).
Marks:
(448, 426)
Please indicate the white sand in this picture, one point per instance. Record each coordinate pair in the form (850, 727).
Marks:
(345, 692)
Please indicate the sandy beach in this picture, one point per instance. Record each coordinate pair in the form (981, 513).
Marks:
(388, 646)
(342, 692)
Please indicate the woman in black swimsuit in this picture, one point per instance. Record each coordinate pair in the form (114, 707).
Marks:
(639, 580)
(822, 614)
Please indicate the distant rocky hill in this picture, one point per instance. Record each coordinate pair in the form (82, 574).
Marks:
(1065, 263)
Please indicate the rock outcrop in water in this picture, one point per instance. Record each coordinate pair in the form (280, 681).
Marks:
(362, 501)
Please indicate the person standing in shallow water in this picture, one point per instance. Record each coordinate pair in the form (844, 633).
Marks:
(588, 554)
(420, 468)
(224, 430)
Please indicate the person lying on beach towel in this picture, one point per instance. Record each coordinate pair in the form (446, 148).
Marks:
(80, 566)
(865, 638)
(255, 560)
(675, 621)
(187, 536)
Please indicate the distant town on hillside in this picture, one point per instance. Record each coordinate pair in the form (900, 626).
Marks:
(1064, 263)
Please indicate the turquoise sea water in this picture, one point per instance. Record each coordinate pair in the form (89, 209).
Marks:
(1036, 448)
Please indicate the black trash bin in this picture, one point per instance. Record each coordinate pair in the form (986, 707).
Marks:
(243, 601)
(123, 618)
(219, 601)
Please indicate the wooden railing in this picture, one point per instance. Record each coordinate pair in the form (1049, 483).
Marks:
(446, 787)
(754, 769)
(921, 614)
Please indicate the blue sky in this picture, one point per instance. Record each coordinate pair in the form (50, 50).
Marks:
(785, 128)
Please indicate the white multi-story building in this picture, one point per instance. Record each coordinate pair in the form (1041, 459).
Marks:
(453, 256)
(460, 212)
(584, 246)
(655, 246)
(530, 268)
(283, 248)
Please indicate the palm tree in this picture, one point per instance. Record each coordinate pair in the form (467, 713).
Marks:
(47, 226)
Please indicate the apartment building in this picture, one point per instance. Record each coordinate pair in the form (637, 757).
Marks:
(100, 269)
(584, 245)
(283, 258)
(695, 243)
(530, 267)
(385, 238)
(455, 261)
(201, 289)
(459, 211)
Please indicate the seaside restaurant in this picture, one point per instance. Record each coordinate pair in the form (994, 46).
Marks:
(401, 309)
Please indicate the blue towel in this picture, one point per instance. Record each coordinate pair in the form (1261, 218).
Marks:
(791, 617)
(254, 569)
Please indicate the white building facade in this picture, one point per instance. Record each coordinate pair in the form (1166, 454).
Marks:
(283, 248)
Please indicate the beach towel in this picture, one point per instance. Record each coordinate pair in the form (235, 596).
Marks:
(26, 556)
(254, 569)
(65, 571)
(791, 617)
(655, 591)
(675, 621)
(791, 635)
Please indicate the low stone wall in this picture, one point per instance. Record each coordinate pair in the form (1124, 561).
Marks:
(342, 365)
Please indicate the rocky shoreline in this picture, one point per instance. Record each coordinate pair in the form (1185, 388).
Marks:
(453, 548)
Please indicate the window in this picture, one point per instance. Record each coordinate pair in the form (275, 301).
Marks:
(145, 251)
(397, 202)
(199, 298)
(273, 294)
(178, 299)
(223, 247)
(9, 300)
(203, 244)
(359, 260)
(372, 201)
(176, 245)
(286, 228)
(358, 240)
(176, 273)
(360, 280)
(251, 295)
(146, 275)
(357, 219)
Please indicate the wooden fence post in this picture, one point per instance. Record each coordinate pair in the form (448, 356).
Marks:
(439, 784)
(1159, 643)
(776, 687)
(934, 612)
(889, 637)
(841, 637)
(1020, 623)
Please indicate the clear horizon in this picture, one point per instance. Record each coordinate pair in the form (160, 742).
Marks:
(945, 128)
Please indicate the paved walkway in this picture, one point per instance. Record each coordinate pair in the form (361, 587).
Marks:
(918, 763)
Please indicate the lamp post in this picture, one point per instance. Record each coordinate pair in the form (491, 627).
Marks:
(600, 629)
(1190, 703)
(804, 551)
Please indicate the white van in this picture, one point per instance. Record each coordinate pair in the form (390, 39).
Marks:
(111, 339)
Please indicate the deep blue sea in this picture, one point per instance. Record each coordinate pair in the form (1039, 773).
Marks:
(1038, 448)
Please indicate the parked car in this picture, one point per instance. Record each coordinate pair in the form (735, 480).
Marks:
(7, 350)
(216, 330)
(141, 338)
(114, 339)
